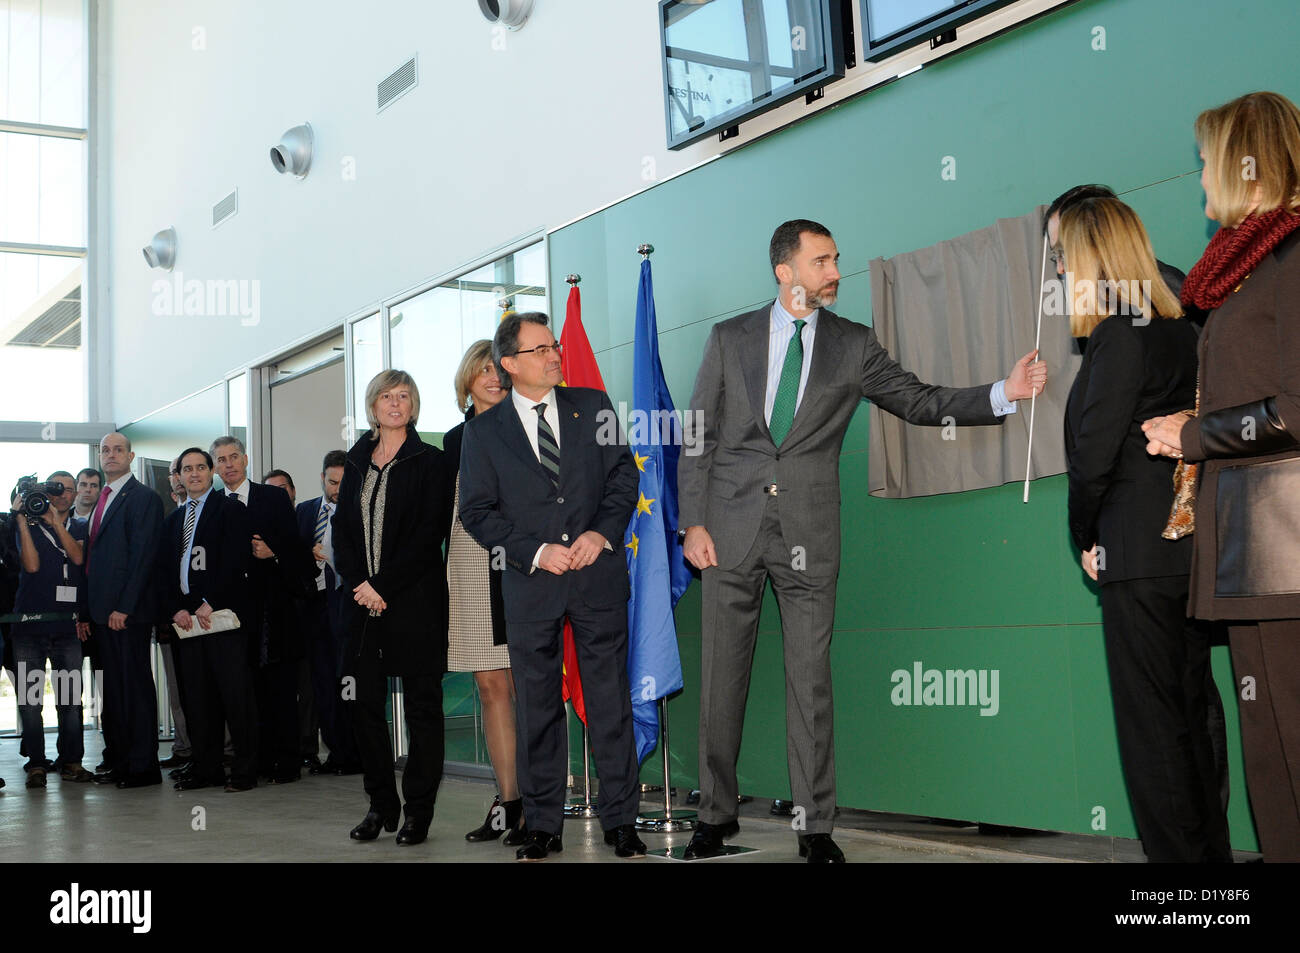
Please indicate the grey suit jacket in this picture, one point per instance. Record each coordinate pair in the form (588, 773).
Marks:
(721, 488)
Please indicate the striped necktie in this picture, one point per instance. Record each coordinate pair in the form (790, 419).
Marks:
(548, 449)
(190, 519)
(787, 391)
(322, 521)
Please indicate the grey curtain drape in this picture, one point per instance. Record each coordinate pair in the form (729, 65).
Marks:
(961, 313)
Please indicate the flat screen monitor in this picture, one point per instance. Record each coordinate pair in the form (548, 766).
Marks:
(730, 60)
(892, 26)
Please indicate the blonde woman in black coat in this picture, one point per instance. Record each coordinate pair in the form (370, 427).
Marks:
(1139, 361)
(389, 531)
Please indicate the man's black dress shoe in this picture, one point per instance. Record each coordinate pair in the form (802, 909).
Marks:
(108, 777)
(147, 779)
(175, 761)
(820, 849)
(371, 824)
(538, 844)
(502, 816)
(102, 766)
(328, 767)
(287, 778)
(234, 786)
(184, 771)
(193, 783)
(413, 832)
(625, 841)
(707, 839)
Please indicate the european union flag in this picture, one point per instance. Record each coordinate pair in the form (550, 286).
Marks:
(655, 563)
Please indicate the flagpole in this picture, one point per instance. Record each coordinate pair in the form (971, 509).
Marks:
(665, 821)
(1038, 335)
(582, 806)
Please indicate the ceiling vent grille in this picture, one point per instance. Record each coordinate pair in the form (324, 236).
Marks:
(226, 208)
(398, 84)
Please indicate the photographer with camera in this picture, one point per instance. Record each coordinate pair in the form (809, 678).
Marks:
(50, 588)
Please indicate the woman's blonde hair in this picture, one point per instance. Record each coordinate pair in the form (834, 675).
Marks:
(1110, 267)
(1252, 148)
(385, 381)
(478, 355)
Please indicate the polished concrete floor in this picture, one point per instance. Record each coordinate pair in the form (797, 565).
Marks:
(309, 821)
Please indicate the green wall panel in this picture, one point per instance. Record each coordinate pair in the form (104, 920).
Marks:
(976, 580)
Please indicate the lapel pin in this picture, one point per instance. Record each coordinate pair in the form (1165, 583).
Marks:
(575, 415)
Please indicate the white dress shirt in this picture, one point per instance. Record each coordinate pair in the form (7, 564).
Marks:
(240, 492)
(781, 330)
(528, 417)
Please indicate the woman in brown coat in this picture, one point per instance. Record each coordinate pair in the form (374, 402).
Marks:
(1246, 557)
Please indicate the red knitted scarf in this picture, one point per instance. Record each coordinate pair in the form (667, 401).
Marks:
(1233, 254)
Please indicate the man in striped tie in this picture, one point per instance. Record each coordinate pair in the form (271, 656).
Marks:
(548, 498)
(207, 546)
(325, 626)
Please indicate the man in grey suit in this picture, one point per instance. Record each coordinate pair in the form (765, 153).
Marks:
(775, 392)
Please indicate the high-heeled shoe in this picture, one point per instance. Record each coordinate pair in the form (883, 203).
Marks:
(370, 825)
(502, 816)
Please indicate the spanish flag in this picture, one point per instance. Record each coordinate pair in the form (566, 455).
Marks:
(579, 369)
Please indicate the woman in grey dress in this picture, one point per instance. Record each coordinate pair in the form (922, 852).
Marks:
(477, 629)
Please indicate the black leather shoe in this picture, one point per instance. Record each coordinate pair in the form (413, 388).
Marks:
(108, 777)
(538, 844)
(238, 786)
(413, 832)
(148, 779)
(371, 824)
(287, 778)
(625, 842)
(192, 784)
(502, 816)
(820, 849)
(184, 771)
(329, 766)
(103, 766)
(707, 839)
(175, 761)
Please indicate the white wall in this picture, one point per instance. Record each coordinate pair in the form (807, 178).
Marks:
(492, 144)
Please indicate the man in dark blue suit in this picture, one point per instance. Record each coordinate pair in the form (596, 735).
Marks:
(280, 572)
(206, 566)
(540, 490)
(124, 537)
(326, 632)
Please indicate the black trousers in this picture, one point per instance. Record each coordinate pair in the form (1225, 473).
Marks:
(130, 699)
(422, 701)
(1158, 680)
(217, 690)
(1268, 654)
(537, 656)
(279, 753)
(325, 651)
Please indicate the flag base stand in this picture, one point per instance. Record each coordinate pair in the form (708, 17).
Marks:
(666, 821)
(726, 850)
(582, 807)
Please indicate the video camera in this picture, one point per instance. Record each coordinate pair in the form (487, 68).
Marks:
(34, 496)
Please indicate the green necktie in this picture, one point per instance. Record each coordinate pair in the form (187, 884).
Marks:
(787, 392)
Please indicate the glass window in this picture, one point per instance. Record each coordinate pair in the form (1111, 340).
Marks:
(42, 372)
(367, 361)
(42, 459)
(431, 331)
(237, 403)
(42, 190)
(43, 62)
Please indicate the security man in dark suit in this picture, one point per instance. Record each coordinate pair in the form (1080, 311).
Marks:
(281, 571)
(124, 537)
(207, 557)
(537, 485)
(326, 628)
